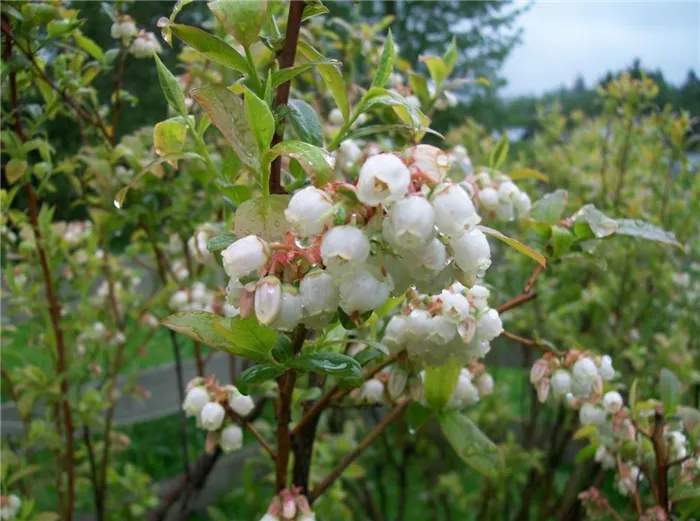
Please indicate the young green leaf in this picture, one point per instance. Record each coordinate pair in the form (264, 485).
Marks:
(256, 375)
(211, 46)
(527, 173)
(260, 119)
(535, 255)
(670, 391)
(645, 230)
(500, 152)
(89, 46)
(600, 224)
(419, 86)
(439, 384)
(437, 68)
(15, 169)
(332, 77)
(263, 217)
(284, 75)
(470, 444)
(562, 240)
(283, 350)
(227, 112)
(169, 137)
(221, 242)
(386, 62)
(450, 57)
(170, 87)
(550, 207)
(305, 122)
(328, 363)
(317, 163)
(241, 18)
(313, 8)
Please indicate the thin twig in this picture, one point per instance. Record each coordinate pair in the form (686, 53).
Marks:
(96, 489)
(401, 404)
(528, 342)
(515, 302)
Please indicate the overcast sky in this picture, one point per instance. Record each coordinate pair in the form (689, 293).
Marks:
(562, 39)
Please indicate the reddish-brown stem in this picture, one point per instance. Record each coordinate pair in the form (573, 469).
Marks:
(354, 454)
(657, 440)
(286, 60)
(528, 342)
(515, 302)
(333, 395)
(284, 405)
(54, 306)
(533, 279)
(199, 359)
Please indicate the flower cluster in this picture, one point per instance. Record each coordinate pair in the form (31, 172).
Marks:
(289, 505)
(577, 376)
(124, 29)
(145, 45)
(9, 506)
(195, 298)
(353, 245)
(497, 196)
(457, 323)
(197, 244)
(209, 403)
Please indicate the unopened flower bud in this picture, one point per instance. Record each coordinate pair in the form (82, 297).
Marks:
(522, 204)
(309, 211)
(395, 333)
(241, 404)
(465, 393)
(383, 178)
(231, 438)
(211, 416)
(488, 198)
(372, 391)
(454, 211)
(318, 292)
(268, 299)
(195, 400)
(291, 311)
(336, 117)
(612, 402)
(363, 290)
(472, 253)
(606, 370)
(478, 296)
(561, 382)
(591, 414)
(508, 192)
(245, 256)
(410, 223)
(489, 326)
(485, 384)
(397, 382)
(455, 306)
(585, 371)
(344, 248)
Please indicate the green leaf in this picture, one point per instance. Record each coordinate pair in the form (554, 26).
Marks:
(332, 77)
(227, 112)
(562, 240)
(585, 453)
(238, 336)
(212, 47)
(385, 98)
(221, 242)
(601, 225)
(470, 444)
(170, 87)
(535, 255)
(419, 86)
(500, 152)
(260, 119)
(450, 56)
(439, 384)
(305, 122)
(317, 163)
(313, 8)
(588, 431)
(386, 62)
(264, 217)
(328, 363)
(283, 350)
(417, 416)
(285, 75)
(390, 127)
(178, 7)
(527, 173)
(89, 46)
(258, 374)
(15, 169)
(169, 137)
(46, 516)
(550, 208)
(670, 391)
(121, 194)
(241, 18)
(367, 355)
(437, 68)
(645, 230)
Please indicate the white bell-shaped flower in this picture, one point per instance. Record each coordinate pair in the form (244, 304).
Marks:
(455, 306)
(522, 204)
(344, 248)
(612, 402)
(383, 178)
(504, 211)
(291, 310)
(454, 211)
(245, 256)
(240, 403)
(396, 333)
(472, 253)
(485, 384)
(585, 371)
(419, 324)
(426, 262)
(318, 292)
(195, 400)
(561, 382)
(372, 391)
(410, 223)
(508, 192)
(309, 212)
(429, 161)
(335, 117)
(479, 296)
(489, 326)
(231, 438)
(465, 393)
(605, 369)
(591, 414)
(442, 330)
(363, 290)
(211, 416)
(268, 299)
(605, 458)
(488, 198)
(178, 300)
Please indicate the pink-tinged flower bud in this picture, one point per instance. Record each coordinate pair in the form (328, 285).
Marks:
(543, 387)
(211, 416)
(455, 307)
(195, 400)
(309, 211)
(467, 329)
(231, 438)
(289, 507)
(539, 370)
(429, 161)
(590, 414)
(318, 292)
(485, 384)
(247, 304)
(410, 223)
(245, 256)
(363, 290)
(454, 211)
(489, 326)
(383, 178)
(344, 248)
(268, 299)
(372, 391)
(472, 253)
(488, 198)
(612, 402)
(561, 382)
(396, 333)
(241, 404)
